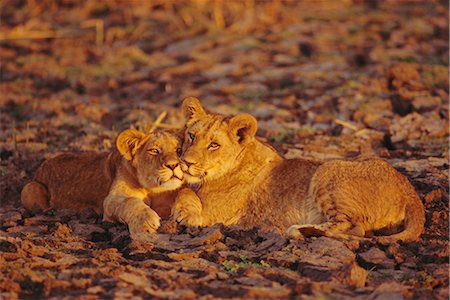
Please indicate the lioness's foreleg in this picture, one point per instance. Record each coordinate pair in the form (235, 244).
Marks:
(139, 217)
(187, 209)
(35, 197)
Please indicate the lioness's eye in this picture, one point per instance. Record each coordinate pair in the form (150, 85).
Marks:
(179, 151)
(153, 151)
(191, 136)
(213, 146)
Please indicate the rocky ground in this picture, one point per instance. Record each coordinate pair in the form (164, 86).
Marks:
(326, 80)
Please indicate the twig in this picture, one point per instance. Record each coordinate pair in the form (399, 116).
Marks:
(44, 34)
(99, 29)
(27, 132)
(157, 122)
(14, 135)
(21, 34)
(218, 14)
(165, 126)
(346, 124)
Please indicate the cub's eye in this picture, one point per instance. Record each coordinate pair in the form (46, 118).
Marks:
(153, 151)
(213, 146)
(191, 136)
(179, 151)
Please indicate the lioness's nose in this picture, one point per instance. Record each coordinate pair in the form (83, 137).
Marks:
(188, 163)
(171, 165)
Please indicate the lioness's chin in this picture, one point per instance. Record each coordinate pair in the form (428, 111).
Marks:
(192, 180)
(171, 184)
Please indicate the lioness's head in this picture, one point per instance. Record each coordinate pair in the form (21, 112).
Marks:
(154, 156)
(212, 142)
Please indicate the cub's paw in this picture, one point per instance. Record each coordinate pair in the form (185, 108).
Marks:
(145, 221)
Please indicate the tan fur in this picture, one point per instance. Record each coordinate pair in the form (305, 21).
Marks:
(132, 184)
(245, 181)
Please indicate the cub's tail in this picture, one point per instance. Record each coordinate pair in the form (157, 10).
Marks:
(413, 223)
(35, 197)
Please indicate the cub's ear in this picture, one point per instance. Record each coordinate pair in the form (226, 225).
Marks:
(192, 108)
(243, 126)
(129, 141)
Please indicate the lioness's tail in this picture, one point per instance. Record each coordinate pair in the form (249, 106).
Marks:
(413, 223)
(35, 197)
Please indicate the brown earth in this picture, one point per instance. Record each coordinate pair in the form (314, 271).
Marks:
(325, 79)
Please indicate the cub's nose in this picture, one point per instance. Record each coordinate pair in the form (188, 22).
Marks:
(171, 166)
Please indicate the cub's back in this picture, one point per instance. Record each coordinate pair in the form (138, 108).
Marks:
(78, 179)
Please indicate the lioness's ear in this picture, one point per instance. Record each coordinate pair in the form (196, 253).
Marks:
(129, 141)
(192, 108)
(244, 127)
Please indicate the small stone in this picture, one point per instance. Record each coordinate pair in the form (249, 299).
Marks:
(209, 236)
(10, 218)
(435, 195)
(85, 230)
(353, 275)
(6, 246)
(375, 257)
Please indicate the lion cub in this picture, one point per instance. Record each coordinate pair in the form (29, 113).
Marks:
(134, 184)
(241, 180)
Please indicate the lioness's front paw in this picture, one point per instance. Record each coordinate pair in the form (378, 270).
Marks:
(188, 209)
(146, 221)
(186, 216)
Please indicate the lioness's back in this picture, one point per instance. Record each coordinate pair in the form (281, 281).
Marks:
(371, 191)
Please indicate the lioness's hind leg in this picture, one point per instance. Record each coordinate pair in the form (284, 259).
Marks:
(356, 231)
(330, 229)
(35, 197)
(327, 228)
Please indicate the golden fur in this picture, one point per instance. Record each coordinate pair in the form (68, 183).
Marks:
(241, 180)
(133, 184)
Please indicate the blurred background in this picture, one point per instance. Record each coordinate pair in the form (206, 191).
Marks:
(326, 79)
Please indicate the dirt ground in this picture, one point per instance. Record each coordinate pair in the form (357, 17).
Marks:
(325, 80)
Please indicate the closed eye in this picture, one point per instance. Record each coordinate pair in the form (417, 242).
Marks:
(213, 146)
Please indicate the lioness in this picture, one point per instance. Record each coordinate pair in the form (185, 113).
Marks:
(241, 180)
(122, 184)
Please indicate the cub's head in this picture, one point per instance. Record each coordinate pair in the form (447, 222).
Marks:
(154, 158)
(213, 143)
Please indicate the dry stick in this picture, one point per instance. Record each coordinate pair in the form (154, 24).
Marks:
(167, 126)
(46, 34)
(27, 133)
(63, 33)
(99, 29)
(218, 14)
(157, 122)
(154, 126)
(346, 124)
(14, 133)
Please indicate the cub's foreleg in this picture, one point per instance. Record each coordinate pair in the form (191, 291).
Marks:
(35, 197)
(188, 209)
(139, 217)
